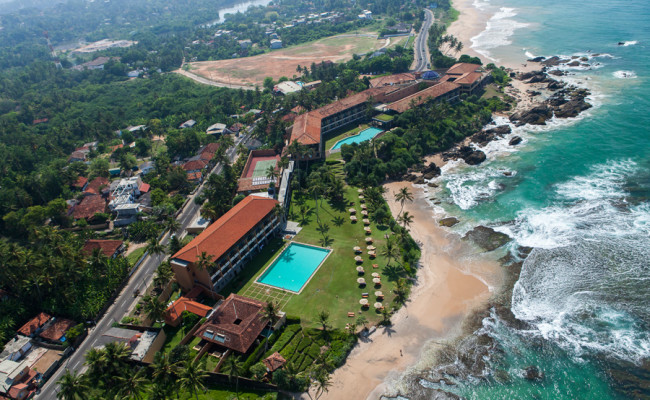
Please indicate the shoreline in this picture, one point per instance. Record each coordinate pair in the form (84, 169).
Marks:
(451, 284)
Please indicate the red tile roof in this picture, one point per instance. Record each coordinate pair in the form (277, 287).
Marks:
(174, 311)
(34, 324)
(422, 96)
(194, 176)
(107, 247)
(81, 182)
(195, 165)
(57, 329)
(210, 148)
(222, 234)
(89, 206)
(306, 129)
(97, 185)
(463, 68)
(238, 319)
(469, 78)
(274, 361)
(144, 187)
(392, 79)
(77, 155)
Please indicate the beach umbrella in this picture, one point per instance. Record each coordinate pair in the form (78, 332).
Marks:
(361, 281)
(364, 207)
(366, 221)
(371, 247)
(378, 293)
(364, 212)
(378, 305)
(353, 218)
(375, 275)
(360, 190)
(376, 281)
(368, 239)
(363, 302)
(353, 210)
(357, 249)
(372, 254)
(361, 197)
(360, 270)
(358, 259)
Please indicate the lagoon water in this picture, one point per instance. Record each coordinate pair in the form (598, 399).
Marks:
(579, 193)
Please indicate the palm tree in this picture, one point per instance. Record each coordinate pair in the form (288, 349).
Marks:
(323, 383)
(96, 362)
(403, 196)
(270, 315)
(323, 319)
(278, 212)
(153, 308)
(154, 247)
(203, 261)
(164, 274)
(362, 320)
(72, 386)
(390, 251)
(164, 372)
(192, 375)
(385, 314)
(406, 219)
(271, 173)
(283, 163)
(234, 368)
(326, 241)
(400, 290)
(172, 225)
(131, 386)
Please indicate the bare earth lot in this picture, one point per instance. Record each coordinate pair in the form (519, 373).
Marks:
(251, 71)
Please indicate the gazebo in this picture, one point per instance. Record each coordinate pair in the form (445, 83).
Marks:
(274, 362)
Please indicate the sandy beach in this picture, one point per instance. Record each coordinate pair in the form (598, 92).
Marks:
(470, 23)
(450, 284)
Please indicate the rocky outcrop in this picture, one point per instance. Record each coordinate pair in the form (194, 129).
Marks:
(487, 238)
(537, 59)
(556, 72)
(533, 373)
(515, 140)
(467, 154)
(484, 137)
(431, 171)
(535, 116)
(448, 222)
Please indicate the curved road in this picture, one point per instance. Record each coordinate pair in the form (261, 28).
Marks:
(421, 54)
(140, 279)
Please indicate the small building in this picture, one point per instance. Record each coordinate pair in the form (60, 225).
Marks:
(274, 362)
(245, 44)
(217, 129)
(175, 310)
(276, 44)
(77, 156)
(16, 348)
(56, 330)
(312, 85)
(17, 380)
(35, 325)
(198, 225)
(187, 124)
(287, 87)
(365, 14)
(146, 167)
(235, 324)
(230, 242)
(99, 185)
(110, 248)
(470, 77)
(207, 152)
(195, 166)
(80, 183)
(88, 207)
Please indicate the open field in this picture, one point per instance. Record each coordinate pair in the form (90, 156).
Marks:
(251, 71)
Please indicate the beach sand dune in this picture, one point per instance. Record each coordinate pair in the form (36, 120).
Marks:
(449, 287)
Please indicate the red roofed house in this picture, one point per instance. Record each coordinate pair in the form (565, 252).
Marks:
(17, 380)
(99, 185)
(274, 362)
(235, 324)
(194, 166)
(77, 156)
(470, 77)
(110, 248)
(34, 325)
(89, 206)
(81, 183)
(57, 330)
(229, 242)
(175, 310)
(208, 151)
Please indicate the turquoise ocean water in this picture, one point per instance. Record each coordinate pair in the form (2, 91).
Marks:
(293, 268)
(579, 193)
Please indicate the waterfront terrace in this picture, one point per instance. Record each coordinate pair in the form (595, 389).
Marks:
(228, 242)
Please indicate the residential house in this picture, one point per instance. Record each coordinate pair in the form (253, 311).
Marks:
(186, 303)
(125, 191)
(17, 380)
(245, 44)
(235, 324)
(110, 248)
(81, 183)
(197, 165)
(35, 325)
(365, 14)
(147, 167)
(207, 152)
(16, 348)
(312, 85)
(56, 330)
(77, 156)
(287, 87)
(236, 128)
(217, 129)
(99, 185)
(88, 207)
(230, 242)
(187, 124)
(276, 44)
(97, 63)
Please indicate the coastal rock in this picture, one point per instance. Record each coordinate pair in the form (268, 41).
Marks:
(537, 59)
(515, 140)
(557, 72)
(539, 78)
(535, 116)
(419, 180)
(448, 222)
(572, 108)
(431, 171)
(555, 85)
(501, 130)
(475, 158)
(533, 373)
(468, 154)
(552, 61)
(574, 64)
(487, 238)
(486, 136)
(432, 185)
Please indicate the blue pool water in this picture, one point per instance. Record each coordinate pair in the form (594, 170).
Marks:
(293, 268)
(362, 136)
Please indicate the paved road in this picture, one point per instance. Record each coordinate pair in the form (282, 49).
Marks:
(125, 301)
(421, 54)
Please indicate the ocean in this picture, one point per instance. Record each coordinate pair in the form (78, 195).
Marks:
(578, 192)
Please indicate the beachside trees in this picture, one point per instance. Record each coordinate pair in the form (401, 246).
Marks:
(234, 367)
(403, 196)
(153, 308)
(72, 386)
(270, 315)
(191, 377)
(154, 247)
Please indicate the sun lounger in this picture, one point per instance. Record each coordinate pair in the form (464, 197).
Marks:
(364, 294)
(351, 314)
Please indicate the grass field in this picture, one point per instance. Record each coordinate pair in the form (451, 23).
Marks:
(250, 71)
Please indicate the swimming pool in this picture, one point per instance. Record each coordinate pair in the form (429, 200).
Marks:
(294, 267)
(362, 136)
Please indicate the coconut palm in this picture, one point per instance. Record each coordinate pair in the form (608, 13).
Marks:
(362, 320)
(164, 274)
(153, 308)
(72, 386)
(338, 220)
(192, 375)
(164, 372)
(323, 383)
(271, 173)
(270, 315)
(326, 241)
(131, 386)
(283, 163)
(403, 196)
(234, 368)
(203, 261)
(172, 225)
(278, 212)
(390, 251)
(323, 319)
(405, 219)
(400, 290)
(154, 247)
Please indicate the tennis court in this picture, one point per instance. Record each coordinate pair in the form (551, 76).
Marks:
(259, 166)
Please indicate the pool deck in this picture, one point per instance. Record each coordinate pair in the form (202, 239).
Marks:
(257, 281)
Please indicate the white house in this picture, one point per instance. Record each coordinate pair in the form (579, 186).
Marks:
(16, 348)
(276, 44)
(365, 14)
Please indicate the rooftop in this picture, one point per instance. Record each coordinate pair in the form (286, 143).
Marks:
(463, 68)
(57, 329)
(34, 324)
(107, 247)
(422, 96)
(222, 234)
(274, 361)
(395, 79)
(195, 165)
(235, 324)
(97, 185)
(14, 345)
(181, 304)
(89, 206)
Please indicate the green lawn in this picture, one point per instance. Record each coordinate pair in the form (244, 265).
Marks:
(228, 394)
(384, 117)
(135, 255)
(333, 137)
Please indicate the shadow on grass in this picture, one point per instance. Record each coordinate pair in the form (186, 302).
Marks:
(393, 272)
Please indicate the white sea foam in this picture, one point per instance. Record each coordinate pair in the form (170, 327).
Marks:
(625, 74)
(630, 43)
(497, 32)
(529, 54)
(481, 5)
